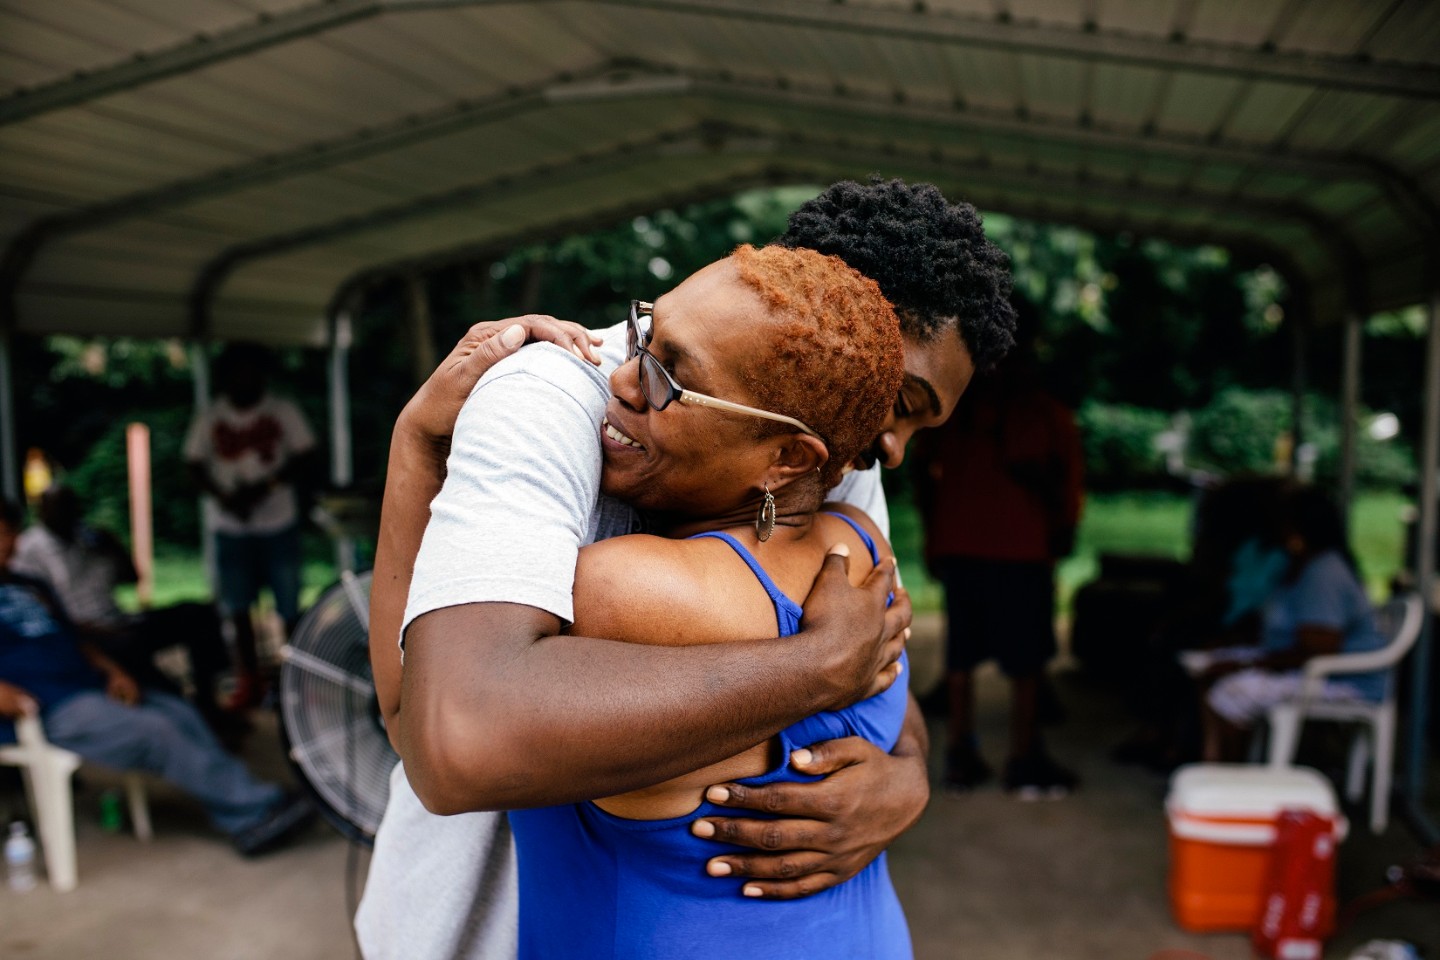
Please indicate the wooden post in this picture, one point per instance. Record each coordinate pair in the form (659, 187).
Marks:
(142, 530)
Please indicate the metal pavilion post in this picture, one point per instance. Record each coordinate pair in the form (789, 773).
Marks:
(200, 387)
(1349, 406)
(9, 452)
(342, 456)
(1299, 349)
(1416, 752)
(422, 331)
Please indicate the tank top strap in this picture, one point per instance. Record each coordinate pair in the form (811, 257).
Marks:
(869, 542)
(787, 611)
(865, 537)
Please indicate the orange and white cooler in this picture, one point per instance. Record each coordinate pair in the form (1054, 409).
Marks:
(1222, 830)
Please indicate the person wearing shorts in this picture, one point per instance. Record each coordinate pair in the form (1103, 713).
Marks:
(1000, 491)
(246, 452)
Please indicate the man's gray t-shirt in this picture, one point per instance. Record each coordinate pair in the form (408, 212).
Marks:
(521, 496)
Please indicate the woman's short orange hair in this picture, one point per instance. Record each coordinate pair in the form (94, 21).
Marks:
(835, 361)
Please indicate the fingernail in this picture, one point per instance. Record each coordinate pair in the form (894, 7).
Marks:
(717, 795)
(899, 667)
(750, 890)
(801, 758)
(840, 550)
(907, 629)
(512, 336)
(703, 828)
(718, 868)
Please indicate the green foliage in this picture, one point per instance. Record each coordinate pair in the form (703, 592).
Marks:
(592, 278)
(101, 479)
(1239, 431)
(1120, 450)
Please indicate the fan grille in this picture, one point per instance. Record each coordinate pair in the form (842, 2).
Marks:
(330, 712)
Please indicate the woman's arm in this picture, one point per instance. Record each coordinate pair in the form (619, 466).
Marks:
(1311, 640)
(418, 447)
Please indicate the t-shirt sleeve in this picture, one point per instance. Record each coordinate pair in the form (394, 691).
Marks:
(298, 436)
(863, 489)
(30, 559)
(520, 489)
(1321, 594)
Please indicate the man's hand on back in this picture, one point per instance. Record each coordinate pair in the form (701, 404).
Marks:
(860, 638)
(826, 831)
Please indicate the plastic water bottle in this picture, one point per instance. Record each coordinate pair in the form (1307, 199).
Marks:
(111, 817)
(20, 858)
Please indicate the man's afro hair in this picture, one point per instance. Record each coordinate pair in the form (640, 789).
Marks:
(929, 256)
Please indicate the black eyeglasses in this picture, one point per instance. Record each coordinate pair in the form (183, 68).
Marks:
(661, 389)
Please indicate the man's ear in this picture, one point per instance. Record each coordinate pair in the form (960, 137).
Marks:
(798, 455)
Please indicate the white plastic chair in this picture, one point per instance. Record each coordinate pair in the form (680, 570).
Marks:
(47, 770)
(1400, 620)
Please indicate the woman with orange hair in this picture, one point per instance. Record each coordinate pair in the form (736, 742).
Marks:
(748, 390)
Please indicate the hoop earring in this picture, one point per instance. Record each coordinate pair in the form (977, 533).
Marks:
(765, 522)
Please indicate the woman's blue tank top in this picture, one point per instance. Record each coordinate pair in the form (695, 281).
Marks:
(596, 886)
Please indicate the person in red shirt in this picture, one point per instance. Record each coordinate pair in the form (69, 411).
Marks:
(1000, 490)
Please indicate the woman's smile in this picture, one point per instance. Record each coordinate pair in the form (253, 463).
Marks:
(616, 436)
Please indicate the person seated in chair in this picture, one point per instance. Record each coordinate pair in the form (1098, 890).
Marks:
(92, 707)
(1319, 608)
(82, 566)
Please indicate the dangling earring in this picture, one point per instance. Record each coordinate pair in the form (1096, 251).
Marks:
(765, 522)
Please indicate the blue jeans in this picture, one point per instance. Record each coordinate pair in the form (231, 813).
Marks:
(246, 562)
(165, 736)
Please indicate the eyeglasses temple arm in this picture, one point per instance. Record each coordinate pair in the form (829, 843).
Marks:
(704, 401)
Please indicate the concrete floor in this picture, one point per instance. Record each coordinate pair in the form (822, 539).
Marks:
(981, 877)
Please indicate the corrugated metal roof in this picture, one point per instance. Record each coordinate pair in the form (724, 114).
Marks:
(223, 167)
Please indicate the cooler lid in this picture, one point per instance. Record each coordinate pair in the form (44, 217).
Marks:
(1248, 792)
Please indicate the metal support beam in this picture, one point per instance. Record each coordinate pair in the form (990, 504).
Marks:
(342, 457)
(1298, 317)
(624, 81)
(9, 442)
(917, 23)
(200, 396)
(267, 30)
(627, 80)
(712, 139)
(1349, 407)
(1416, 752)
(422, 331)
(923, 24)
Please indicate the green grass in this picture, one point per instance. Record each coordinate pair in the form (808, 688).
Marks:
(180, 577)
(1143, 523)
(1157, 524)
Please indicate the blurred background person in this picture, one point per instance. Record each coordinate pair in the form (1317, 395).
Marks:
(1319, 607)
(91, 706)
(82, 566)
(1000, 490)
(248, 452)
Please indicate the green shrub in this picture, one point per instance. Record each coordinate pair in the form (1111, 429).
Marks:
(1238, 431)
(102, 481)
(1119, 442)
